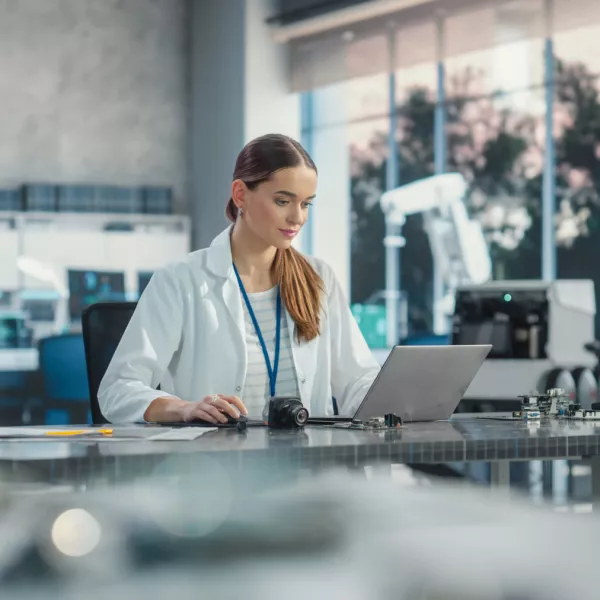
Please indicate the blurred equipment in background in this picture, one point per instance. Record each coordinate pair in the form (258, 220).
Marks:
(460, 253)
(538, 331)
(47, 309)
(96, 257)
(370, 317)
(88, 198)
(64, 247)
(14, 330)
(157, 200)
(143, 280)
(89, 287)
(10, 199)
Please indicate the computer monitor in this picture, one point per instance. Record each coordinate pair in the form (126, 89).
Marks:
(89, 287)
(39, 310)
(14, 332)
(143, 280)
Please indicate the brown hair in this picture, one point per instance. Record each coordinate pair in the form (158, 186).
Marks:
(299, 283)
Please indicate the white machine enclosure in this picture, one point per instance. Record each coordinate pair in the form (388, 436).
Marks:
(571, 313)
(38, 249)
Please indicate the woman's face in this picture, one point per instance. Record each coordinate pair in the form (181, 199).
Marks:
(278, 208)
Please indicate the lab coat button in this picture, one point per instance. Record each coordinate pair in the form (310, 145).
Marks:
(238, 388)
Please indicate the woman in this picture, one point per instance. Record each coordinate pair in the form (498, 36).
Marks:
(248, 318)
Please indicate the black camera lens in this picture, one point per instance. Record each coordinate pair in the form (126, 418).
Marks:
(299, 415)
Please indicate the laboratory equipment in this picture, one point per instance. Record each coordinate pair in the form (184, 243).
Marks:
(458, 246)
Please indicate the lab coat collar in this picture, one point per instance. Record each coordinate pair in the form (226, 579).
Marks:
(219, 254)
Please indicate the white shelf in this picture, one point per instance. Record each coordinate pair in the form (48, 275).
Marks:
(18, 359)
(82, 221)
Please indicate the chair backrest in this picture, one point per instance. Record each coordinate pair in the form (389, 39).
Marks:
(62, 368)
(103, 325)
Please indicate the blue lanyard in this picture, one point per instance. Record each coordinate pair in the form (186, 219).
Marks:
(272, 370)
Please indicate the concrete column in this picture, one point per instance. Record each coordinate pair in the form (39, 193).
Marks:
(217, 110)
(238, 91)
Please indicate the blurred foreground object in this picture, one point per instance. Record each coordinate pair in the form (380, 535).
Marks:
(320, 538)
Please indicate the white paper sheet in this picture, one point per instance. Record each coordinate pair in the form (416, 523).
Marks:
(181, 434)
(19, 432)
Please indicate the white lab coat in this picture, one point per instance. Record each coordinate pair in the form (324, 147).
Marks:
(188, 335)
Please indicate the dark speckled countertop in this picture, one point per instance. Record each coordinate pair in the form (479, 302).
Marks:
(463, 438)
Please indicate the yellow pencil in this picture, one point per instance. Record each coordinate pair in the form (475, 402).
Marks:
(73, 432)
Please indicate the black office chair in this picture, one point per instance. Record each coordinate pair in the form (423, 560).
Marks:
(103, 325)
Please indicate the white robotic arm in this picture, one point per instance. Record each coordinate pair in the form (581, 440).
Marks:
(426, 194)
(460, 253)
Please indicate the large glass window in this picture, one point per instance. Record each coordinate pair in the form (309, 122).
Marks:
(351, 101)
(488, 121)
(497, 47)
(349, 144)
(414, 147)
(416, 92)
(577, 139)
(368, 151)
(497, 144)
(495, 127)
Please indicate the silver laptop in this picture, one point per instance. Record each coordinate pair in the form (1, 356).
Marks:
(421, 383)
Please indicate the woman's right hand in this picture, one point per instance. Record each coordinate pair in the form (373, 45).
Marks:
(214, 409)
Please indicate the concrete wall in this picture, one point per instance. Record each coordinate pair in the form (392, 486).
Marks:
(140, 91)
(94, 91)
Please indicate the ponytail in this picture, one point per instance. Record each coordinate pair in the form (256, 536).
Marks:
(301, 289)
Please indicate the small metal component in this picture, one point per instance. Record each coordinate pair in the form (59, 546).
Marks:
(559, 401)
(376, 422)
(392, 420)
(583, 414)
(545, 404)
(527, 414)
(530, 408)
(555, 402)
